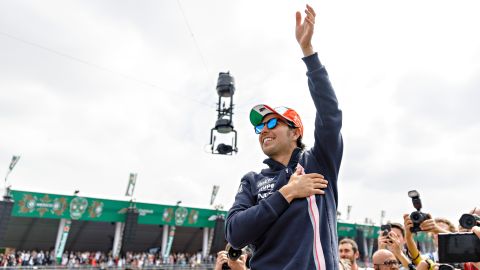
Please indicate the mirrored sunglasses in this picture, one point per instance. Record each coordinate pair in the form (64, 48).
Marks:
(272, 123)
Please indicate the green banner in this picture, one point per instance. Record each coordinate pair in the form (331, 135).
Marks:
(171, 235)
(346, 230)
(42, 205)
(350, 230)
(63, 240)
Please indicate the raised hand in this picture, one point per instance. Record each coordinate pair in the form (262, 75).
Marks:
(408, 224)
(304, 30)
(394, 244)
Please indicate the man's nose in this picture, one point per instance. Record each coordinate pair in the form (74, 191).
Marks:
(264, 129)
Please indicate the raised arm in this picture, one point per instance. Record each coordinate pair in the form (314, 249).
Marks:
(328, 147)
(304, 30)
(411, 245)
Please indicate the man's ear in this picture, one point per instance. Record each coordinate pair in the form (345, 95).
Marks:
(357, 255)
(296, 133)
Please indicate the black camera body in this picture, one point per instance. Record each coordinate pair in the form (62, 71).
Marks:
(452, 266)
(232, 254)
(458, 247)
(418, 216)
(385, 229)
(469, 221)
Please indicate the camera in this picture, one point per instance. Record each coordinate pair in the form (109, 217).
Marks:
(385, 229)
(458, 247)
(450, 266)
(417, 217)
(232, 254)
(468, 221)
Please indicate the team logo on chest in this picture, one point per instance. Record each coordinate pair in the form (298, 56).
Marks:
(265, 187)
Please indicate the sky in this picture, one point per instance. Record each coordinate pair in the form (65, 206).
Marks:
(91, 91)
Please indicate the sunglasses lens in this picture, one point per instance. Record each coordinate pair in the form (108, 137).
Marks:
(258, 128)
(391, 263)
(272, 123)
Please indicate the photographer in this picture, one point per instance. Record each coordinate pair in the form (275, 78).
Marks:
(399, 232)
(427, 225)
(238, 264)
(395, 245)
(434, 227)
(393, 239)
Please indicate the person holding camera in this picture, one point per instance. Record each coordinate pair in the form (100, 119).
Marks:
(397, 229)
(288, 211)
(434, 227)
(223, 260)
(392, 238)
(428, 225)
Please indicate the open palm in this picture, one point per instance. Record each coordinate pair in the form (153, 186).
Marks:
(304, 30)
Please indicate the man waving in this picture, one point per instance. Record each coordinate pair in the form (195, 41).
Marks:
(287, 212)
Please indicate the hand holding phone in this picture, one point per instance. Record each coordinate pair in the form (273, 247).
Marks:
(386, 228)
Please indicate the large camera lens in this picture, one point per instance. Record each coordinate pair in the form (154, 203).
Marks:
(445, 267)
(234, 254)
(468, 221)
(416, 217)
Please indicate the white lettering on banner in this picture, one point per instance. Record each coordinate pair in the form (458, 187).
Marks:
(143, 212)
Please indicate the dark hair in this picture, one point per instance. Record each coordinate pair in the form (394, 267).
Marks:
(300, 144)
(398, 226)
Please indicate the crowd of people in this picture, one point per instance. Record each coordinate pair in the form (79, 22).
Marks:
(397, 248)
(102, 260)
